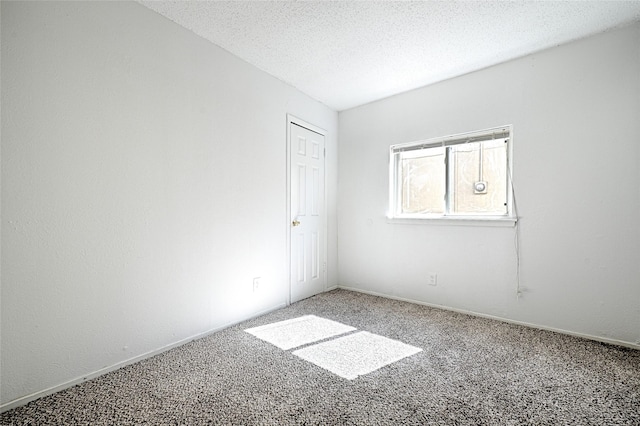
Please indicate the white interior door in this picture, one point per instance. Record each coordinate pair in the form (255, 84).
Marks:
(308, 221)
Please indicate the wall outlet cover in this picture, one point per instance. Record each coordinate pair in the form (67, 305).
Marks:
(432, 279)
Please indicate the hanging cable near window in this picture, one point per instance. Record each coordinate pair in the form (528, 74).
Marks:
(516, 228)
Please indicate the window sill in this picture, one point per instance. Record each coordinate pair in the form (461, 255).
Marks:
(507, 222)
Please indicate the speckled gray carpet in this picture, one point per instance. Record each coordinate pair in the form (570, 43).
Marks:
(471, 371)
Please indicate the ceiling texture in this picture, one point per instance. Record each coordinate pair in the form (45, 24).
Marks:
(348, 53)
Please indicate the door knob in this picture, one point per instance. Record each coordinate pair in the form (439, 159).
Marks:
(296, 223)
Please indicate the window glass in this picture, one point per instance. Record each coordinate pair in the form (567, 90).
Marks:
(463, 175)
(423, 182)
(479, 184)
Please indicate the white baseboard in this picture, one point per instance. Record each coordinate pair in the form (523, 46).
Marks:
(493, 317)
(49, 391)
(36, 395)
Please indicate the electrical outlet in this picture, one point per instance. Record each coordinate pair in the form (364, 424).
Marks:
(256, 283)
(432, 279)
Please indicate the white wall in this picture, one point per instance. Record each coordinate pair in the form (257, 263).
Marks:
(143, 187)
(576, 116)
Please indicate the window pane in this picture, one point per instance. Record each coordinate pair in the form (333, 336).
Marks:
(473, 163)
(423, 177)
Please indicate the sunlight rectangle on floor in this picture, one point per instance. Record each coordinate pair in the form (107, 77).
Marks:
(299, 331)
(356, 354)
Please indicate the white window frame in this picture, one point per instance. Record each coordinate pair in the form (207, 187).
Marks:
(395, 186)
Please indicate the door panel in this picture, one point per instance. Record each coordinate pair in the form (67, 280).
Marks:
(307, 213)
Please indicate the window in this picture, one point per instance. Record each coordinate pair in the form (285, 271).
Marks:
(463, 176)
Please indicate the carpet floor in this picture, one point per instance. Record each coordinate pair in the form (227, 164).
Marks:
(470, 371)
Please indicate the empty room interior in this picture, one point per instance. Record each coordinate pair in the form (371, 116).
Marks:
(320, 212)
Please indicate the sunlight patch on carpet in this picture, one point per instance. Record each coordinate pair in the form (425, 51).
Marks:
(299, 331)
(356, 354)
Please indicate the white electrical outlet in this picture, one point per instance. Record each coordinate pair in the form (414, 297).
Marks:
(256, 283)
(432, 279)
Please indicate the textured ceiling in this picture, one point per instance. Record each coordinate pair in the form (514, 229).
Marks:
(347, 53)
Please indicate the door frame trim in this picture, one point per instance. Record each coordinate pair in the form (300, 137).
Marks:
(292, 119)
